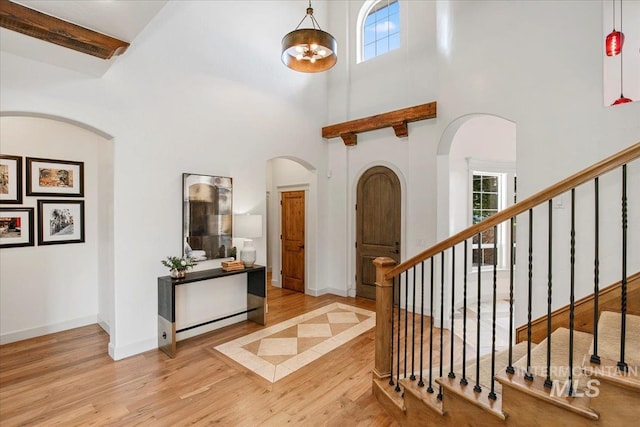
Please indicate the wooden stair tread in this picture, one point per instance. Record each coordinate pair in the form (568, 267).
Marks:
(481, 400)
(396, 398)
(578, 405)
(429, 399)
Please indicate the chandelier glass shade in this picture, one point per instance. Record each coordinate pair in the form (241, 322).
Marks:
(309, 50)
(613, 43)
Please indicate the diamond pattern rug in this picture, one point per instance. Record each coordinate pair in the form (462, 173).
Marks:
(278, 350)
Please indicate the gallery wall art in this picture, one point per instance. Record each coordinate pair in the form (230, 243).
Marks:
(16, 227)
(60, 221)
(10, 179)
(49, 177)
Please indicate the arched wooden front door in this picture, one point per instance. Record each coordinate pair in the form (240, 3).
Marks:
(378, 225)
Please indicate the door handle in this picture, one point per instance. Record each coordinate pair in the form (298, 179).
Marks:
(301, 247)
(395, 251)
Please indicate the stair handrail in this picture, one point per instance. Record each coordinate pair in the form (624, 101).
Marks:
(608, 164)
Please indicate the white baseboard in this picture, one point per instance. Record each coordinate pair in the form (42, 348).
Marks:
(47, 329)
(333, 291)
(104, 325)
(122, 352)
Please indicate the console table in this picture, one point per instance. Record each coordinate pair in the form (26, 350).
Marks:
(256, 301)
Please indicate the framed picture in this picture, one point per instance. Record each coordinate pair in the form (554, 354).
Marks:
(10, 179)
(47, 177)
(16, 227)
(60, 221)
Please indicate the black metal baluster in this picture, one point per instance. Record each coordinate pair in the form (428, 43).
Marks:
(398, 359)
(421, 382)
(477, 387)
(547, 381)
(510, 369)
(406, 318)
(430, 388)
(572, 288)
(463, 380)
(413, 328)
(596, 273)
(622, 365)
(453, 294)
(441, 318)
(527, 375)
(492, 393)
(393, 290)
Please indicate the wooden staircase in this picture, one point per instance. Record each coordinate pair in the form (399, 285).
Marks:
(569, 367)
(603, 395)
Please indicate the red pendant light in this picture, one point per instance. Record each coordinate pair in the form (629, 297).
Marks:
(622, 99)
(614, 41)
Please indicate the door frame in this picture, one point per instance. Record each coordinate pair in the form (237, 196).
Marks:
(353, 197)
(307, 221)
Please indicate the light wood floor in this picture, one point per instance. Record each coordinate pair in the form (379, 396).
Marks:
(68, 379)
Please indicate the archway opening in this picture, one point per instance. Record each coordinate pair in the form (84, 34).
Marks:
(74, 283)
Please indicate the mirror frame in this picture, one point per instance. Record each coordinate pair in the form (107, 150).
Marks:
(209, 198)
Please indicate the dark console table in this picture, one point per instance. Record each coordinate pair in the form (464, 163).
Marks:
(256, 301)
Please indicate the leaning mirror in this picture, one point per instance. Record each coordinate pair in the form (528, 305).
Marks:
(206, 216)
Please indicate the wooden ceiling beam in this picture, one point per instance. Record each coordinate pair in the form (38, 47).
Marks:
(397, 120)
(36, 24)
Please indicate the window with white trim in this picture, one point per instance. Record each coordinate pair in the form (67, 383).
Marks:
(486, 198)
(492, 188)
(380, 29)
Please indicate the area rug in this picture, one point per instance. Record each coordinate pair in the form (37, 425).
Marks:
(281, 349)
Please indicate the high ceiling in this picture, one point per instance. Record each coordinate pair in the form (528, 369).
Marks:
(122, 19)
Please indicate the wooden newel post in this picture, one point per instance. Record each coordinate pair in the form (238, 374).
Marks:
(384, 299)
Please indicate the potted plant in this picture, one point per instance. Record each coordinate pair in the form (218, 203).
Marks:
(178, 266)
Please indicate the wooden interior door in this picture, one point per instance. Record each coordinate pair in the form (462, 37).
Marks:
(293, 216)
(378, 225)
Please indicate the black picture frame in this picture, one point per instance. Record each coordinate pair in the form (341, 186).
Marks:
(51, 177)
(16, 227)
(10, 179)
(60, 222)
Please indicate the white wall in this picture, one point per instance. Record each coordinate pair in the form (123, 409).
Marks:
(484, 57)
(198, 91)
(51, 288)
(402, 78)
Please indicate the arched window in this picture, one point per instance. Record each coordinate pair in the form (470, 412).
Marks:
(378, 28)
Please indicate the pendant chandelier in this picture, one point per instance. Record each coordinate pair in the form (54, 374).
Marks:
(309, 50)
(614, 41)
(622, 99)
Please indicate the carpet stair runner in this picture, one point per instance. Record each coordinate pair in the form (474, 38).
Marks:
(415, 398)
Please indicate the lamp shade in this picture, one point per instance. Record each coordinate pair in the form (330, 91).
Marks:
(248, 226)
(622, 100)
(309, 50)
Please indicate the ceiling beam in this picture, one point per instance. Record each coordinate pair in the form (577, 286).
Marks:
(397, 120)
(32, 23)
